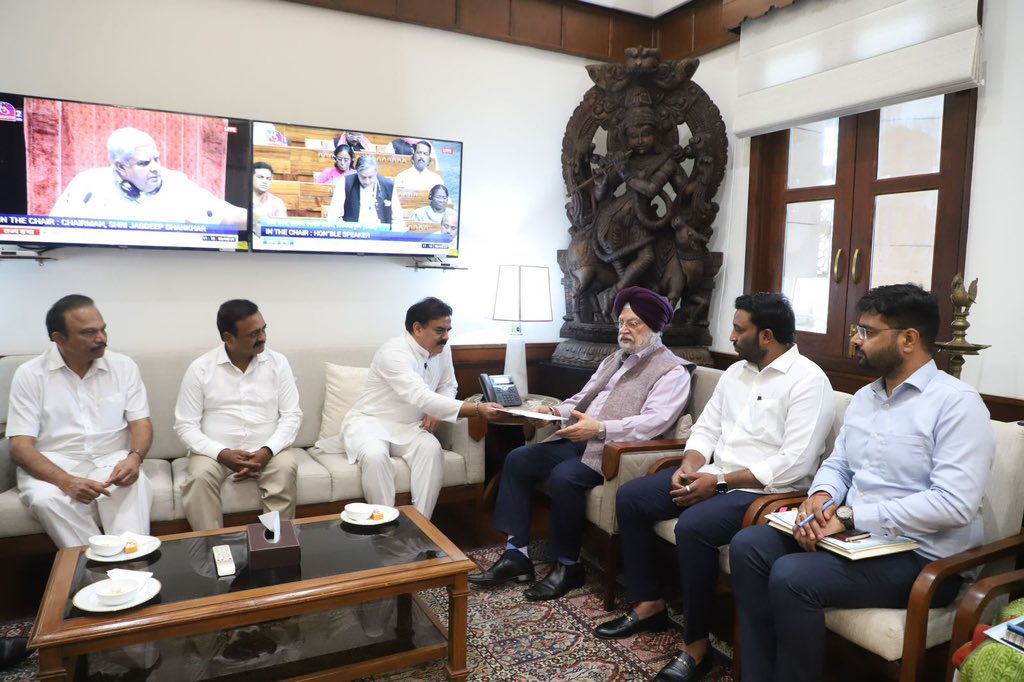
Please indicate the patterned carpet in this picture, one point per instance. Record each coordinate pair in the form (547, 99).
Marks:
(513, 639)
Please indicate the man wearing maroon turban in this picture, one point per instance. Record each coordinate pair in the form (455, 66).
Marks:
(637, 393)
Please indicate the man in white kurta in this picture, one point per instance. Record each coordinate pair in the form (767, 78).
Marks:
(238, 413)
(409, 391)
(79, 428)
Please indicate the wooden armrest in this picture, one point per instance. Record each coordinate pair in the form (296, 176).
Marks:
(766, 504)
(977, 598)
(928, 581)
(614, 451)
(664, 463)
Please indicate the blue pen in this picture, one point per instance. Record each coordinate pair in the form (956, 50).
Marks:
(823, 508)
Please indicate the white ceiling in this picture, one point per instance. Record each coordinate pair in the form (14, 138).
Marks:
(647, 8)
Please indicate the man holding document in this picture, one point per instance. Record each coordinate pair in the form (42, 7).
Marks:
(637, 393)
(912, 460)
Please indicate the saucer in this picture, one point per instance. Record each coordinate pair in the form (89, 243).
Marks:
(87, 600)
(390, 514)
(147, 545)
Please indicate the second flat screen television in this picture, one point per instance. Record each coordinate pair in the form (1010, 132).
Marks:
(329, 190)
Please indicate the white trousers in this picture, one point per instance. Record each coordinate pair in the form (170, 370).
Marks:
(70, 523)
(425, 461)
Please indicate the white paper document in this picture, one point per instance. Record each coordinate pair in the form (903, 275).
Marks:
(529, 414)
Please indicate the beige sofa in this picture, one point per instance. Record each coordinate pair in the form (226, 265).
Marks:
(325, 481)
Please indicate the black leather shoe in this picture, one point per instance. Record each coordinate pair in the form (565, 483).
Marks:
(630, 624)
(683, 668)
(12, 650)
(560, 580)
(513, 565)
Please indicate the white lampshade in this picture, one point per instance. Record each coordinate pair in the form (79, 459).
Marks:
(523, 294)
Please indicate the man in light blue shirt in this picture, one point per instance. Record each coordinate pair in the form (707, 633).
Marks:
(912, 460)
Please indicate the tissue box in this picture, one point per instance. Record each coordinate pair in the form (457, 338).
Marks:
(262, 554)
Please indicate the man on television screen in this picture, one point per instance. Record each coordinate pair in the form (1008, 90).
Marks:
(417, 177)
(450, 223)
(367, 198)
(409, 391)
(137, 187)
(79, 428)
(265, 204)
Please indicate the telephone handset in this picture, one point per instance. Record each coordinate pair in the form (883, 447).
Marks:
(500, 389)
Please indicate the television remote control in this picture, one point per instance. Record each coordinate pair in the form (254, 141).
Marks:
(222, 558)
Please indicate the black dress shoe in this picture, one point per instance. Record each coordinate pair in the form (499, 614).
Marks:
(560, 580)
(12, 650)
(513, 565)
(683, 668)
(630, 624)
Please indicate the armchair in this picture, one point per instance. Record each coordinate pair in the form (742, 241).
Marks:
(898, 639)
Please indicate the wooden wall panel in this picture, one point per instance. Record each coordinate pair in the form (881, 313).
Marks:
(628, 30)
(569, 26)
(587, 30)
(486, 18)
(674, 34)
(735, 11)
(471, 361)
(440, 13)
(537, 22)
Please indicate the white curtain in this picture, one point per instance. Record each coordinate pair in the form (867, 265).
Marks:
(822, 58)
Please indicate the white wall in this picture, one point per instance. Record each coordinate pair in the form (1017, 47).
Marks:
(509, 104)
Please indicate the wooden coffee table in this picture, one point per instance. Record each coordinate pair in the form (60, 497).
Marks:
(380, 569)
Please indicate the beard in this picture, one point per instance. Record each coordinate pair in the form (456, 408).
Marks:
(750, 352)
(882, 363)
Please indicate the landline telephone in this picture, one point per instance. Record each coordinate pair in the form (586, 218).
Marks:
(500, 389)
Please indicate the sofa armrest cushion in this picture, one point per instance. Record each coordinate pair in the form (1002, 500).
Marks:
(344, 386)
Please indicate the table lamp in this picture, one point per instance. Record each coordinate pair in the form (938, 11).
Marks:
(523, 294)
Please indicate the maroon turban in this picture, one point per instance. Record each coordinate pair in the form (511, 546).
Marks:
(654, 310)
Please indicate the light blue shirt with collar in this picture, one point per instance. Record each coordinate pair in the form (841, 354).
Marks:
(916, 463)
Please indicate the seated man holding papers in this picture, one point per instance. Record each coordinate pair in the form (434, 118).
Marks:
(637, 393)
(912, 460)
(763, 431)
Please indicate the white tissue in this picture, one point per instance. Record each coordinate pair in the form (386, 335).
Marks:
(272, 522)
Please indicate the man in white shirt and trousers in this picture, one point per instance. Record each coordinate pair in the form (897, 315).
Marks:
(238, 413)
(410, 390)
(79, 428)
(763, 431)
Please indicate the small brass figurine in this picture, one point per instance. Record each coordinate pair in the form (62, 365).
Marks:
(957, 347)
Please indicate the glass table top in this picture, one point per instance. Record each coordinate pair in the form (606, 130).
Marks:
(186, 570)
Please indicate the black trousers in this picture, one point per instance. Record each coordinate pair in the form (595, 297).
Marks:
(702, 528)
(570, 479)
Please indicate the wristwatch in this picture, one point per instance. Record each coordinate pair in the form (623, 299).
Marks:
(845, 516)
(721, 487)
(602, 431)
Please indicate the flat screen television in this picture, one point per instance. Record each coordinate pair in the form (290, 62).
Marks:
(73, 173)
(332, 190)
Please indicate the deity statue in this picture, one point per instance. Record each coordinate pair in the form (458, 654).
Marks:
(641, 210)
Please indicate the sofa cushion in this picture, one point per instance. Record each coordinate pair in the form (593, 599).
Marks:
(880, 631)
(18, 520)
(159, 473)
(682, 428)
(344, 386)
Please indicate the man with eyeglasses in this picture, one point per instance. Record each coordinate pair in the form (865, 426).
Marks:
(637, 393)
(238, 414)
(410, 390)
(367, 198)
(763, 431)
(79, 429)
(912, 460)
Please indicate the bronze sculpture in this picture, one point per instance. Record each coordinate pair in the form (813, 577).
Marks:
(641, 213)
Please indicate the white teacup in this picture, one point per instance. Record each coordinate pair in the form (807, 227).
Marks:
(359, 511)
(113, 592)
(106, 545)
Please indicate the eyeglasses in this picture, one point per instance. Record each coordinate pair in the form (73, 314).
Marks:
(867, 332)
(342, 157)
(631, 325)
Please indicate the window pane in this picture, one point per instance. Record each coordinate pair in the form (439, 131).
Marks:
(910, 138)
(805, 270)
(903, 241)
(812, 154)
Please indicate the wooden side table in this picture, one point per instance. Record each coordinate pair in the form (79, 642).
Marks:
(503, 436)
